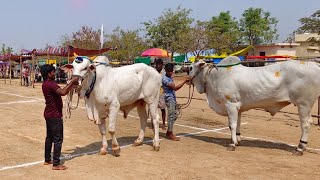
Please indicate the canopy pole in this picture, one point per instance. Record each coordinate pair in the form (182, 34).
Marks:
(32, 71)
(318, 111)
(20, 71)
(68, 54)
(5, 74)
(10, 69)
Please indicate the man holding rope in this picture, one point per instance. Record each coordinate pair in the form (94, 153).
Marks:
(169, 88)
(53, 114)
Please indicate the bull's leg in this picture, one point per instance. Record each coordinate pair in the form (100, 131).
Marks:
(114, 109)
(305, 120)
(238, 128)
(102, 128)
(141, 107)
(233, 117)
(154, 115)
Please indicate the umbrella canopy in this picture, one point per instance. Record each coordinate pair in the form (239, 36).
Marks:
(158, 52)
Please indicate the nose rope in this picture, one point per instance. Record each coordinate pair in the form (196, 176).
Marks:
(68, 104)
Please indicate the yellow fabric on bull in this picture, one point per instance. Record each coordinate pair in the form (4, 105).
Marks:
(161, 90)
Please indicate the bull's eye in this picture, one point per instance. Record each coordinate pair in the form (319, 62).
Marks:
(190, 68)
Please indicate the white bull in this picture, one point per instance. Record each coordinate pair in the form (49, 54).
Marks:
(232, 88)
(107, 90)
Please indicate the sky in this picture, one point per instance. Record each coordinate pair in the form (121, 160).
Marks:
(34, 23)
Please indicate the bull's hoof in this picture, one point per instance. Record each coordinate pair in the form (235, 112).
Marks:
(297, 153)
(103, 151)
(156, 148)
(115, 150)
(231, 148)
(137, 143)
(238, 144)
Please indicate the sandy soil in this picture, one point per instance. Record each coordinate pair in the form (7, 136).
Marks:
(265, 150)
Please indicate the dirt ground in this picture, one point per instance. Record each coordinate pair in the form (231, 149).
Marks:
(265, 151)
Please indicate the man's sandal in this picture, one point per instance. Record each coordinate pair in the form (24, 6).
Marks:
(47, 163)
(59, 167)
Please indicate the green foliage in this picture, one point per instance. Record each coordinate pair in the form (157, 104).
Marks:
(258, 26)
(85, 38)
(223, 33)
(193, 40)
(290, 38)
(310, 24)
(176, 31)
(166, 29)
(6, 50)
(128, 43)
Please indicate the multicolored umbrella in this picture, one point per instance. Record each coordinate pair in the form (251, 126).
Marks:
(158, 52)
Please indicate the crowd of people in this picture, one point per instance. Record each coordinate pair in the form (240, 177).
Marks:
(60, 75)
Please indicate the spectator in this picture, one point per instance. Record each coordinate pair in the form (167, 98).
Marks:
(25, 74)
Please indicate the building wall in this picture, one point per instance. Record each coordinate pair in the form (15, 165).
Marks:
(307, 48)
(277, 49)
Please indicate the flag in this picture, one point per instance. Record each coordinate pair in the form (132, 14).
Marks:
(101, 37)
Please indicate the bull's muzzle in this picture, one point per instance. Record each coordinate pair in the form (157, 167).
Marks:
(80, 79)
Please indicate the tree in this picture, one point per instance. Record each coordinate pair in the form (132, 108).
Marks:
(290, 38)
(166, 29)
(6, 50)
(311, 25)
(128, 43)
(258, 26)
(194, 40)
(85, 38)
(224, 33)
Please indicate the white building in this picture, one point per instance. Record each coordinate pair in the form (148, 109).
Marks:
(307, 49)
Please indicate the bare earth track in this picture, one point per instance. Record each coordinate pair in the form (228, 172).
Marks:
(265, 150)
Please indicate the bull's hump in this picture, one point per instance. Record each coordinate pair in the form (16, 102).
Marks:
(229, 60)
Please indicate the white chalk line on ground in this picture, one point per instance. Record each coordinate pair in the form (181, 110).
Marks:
(11, 94)
(272, 141)
(247, 137)
(188, 134)
(94, 152)
(20, 102)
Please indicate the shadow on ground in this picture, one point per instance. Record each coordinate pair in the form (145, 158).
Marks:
(247, 143)
(94, 148)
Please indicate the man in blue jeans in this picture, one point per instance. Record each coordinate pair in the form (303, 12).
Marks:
(53, 115)
(169, 88)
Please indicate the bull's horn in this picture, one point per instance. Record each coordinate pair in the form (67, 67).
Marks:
(75, 54)
(92, 58)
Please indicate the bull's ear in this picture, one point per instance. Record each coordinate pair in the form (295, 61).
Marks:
(67, 67)
(92, 67)
(75, 54)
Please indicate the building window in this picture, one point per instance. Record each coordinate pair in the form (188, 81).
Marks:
(282, 46)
